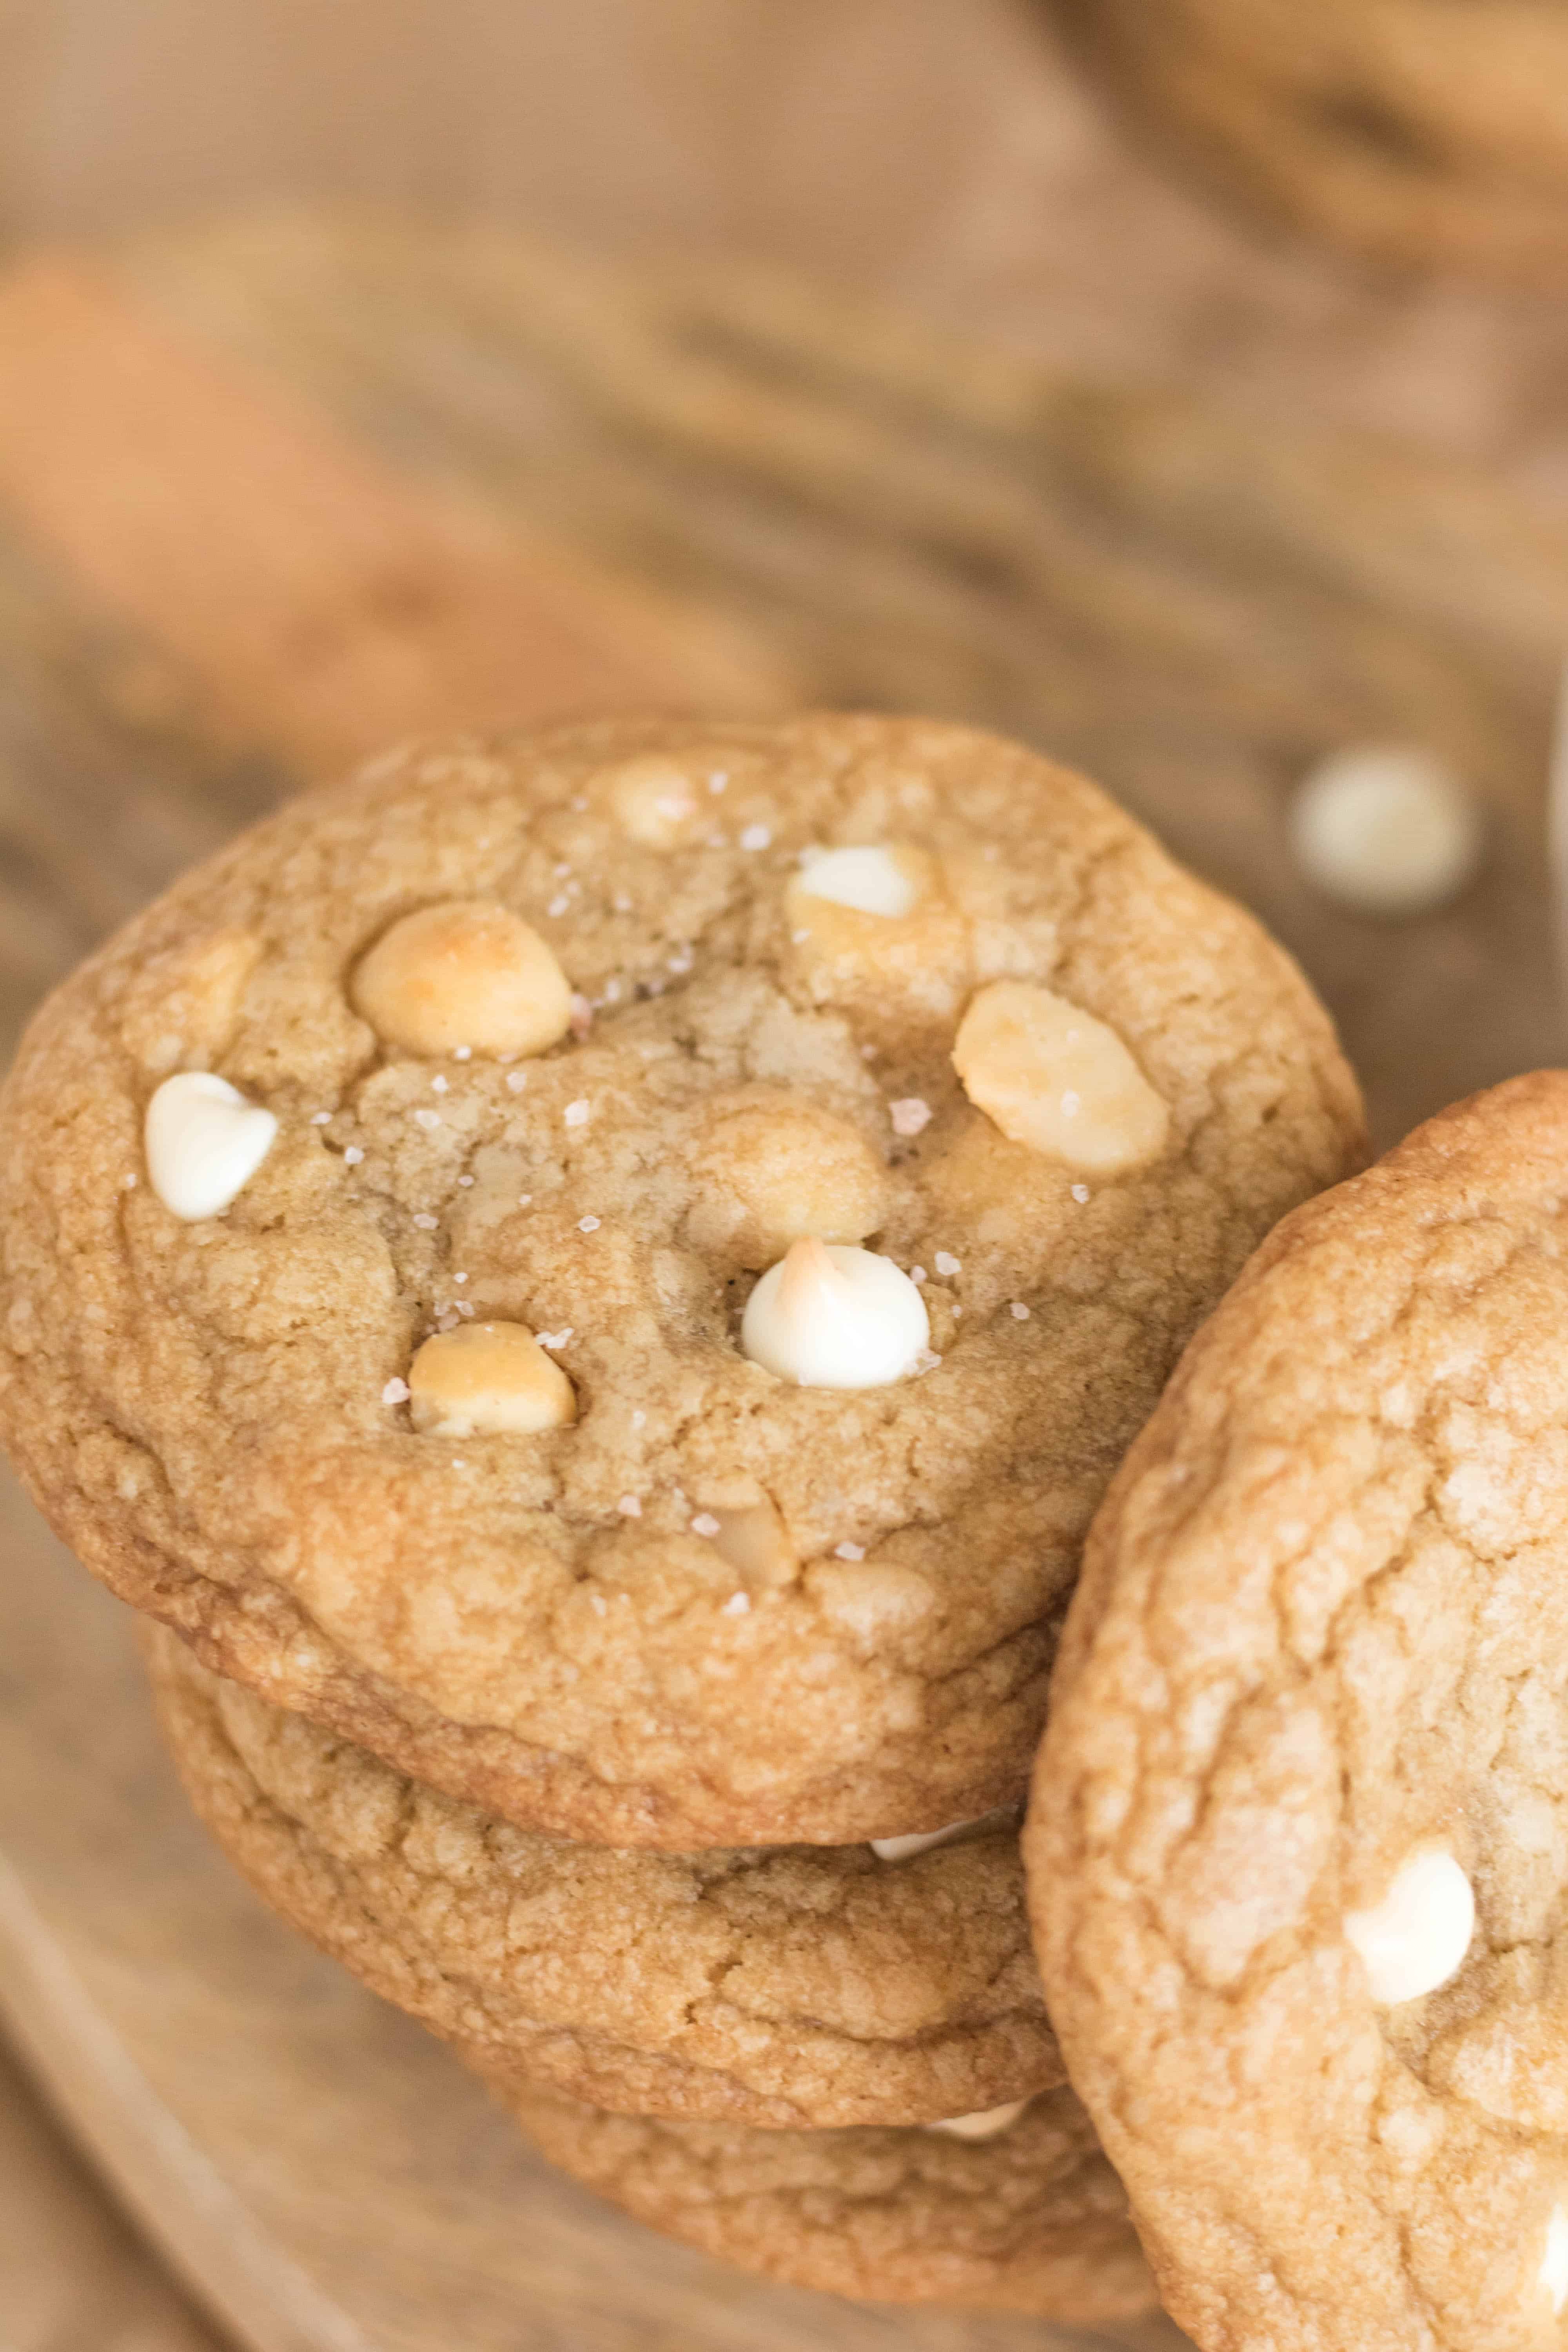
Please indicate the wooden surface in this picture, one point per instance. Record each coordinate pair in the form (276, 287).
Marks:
(274, 493)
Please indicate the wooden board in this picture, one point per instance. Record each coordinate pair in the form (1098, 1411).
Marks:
(273, 494)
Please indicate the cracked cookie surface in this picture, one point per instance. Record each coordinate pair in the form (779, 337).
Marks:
(1299, 1827)
(707, 1606)
(804, 1986)
(1032, 2221)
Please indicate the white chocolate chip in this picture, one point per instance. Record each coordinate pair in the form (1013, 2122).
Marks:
(1052, 1076)
(905, 1848)
(1415, 1939)
(986, 2123)
(1553, 2272)
(204, 1143)
(466, 972)
(1386, 831)
(834, 1318)
(874, 880)
(655, 801)
(911, 1116)
(488, 1379)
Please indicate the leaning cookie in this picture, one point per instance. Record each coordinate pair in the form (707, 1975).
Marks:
(809, 1986)
(613, 1268)
(1300, 1831)
(1021, 2213)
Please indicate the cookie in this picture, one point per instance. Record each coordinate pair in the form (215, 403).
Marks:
(1299, 1838)
(1030, 2219)
(804, 1986)
(613, 1267)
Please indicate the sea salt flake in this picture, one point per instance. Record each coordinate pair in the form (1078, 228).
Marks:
(516, 1080)
(394, 1392)
(465, 1306)
(638, 1418)
(577, 1113)
(719, 781)
(918, 1274)
(582, 1016)
(559, 904)
(756, 836)
(629, 1507)
(945, 1263)
(462, 1052)
(426, 1223)
(554, 1338)
(320, 1118)
(1018, 1311)
(587, 1224)
(427, 1119)
(598, 1604)
(1081, 1193)
(705, 1524)
(459, 1277)
(910, 1115)
(849, 1551)
(525, 1200)
(464, 1182)
(352, 1156)
(438, 1084)
(737, 1606)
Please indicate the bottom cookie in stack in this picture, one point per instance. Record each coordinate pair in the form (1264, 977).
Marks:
(784, 2049)
(1029, 2218)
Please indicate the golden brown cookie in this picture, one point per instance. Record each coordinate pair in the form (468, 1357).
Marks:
(1032, 2219)
(804, 1986)
(1299, 1838)
(441, 1235)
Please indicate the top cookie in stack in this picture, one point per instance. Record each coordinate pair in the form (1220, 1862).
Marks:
(613, 1267)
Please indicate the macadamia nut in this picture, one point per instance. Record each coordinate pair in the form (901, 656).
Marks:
(1052, 1076)
(468, 973)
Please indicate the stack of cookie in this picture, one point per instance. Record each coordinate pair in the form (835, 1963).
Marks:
(594, 1284)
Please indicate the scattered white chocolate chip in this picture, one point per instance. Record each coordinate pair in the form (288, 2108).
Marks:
(1553, 2272)
(911, 1116)
(834, 1318)
(395, 1392)
(986, 2123)
(905, 1848)
(772, 1167)
(1415, 1939)
(466, 972)
(204, 1143)
(873, 880)
(1386, 831)
(655, 801)
(486, 1378)
(1054, 1077)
